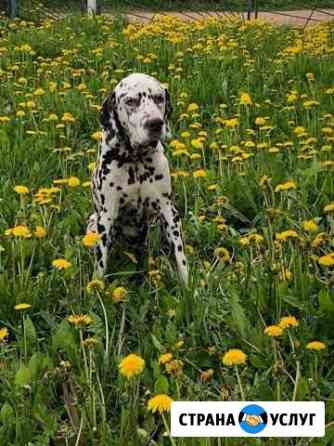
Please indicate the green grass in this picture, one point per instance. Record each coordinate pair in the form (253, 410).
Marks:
(226, 168)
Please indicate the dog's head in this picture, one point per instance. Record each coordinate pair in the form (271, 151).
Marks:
(138, 108)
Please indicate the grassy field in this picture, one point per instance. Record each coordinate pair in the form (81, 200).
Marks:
(252, 163)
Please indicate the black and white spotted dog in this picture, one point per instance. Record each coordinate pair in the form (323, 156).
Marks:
(131, 183)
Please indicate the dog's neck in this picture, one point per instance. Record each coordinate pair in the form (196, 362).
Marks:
(116, 147)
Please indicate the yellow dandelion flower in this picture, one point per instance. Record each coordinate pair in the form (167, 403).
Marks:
(264, 181)
(119, 294)
(4, 333)
(52, 117)
(73, 182)
(132, 365)
(299, 130)
(288, 321)
(329, 207)
(96, 136)
(80, 320)
(285, 274)
(22, 306)
(192, 108)
(309, 104)
(179, 344)
(327, 260)
(52, 86)
(319, 240)
(21, 190)
(68, 117)
(245, 99)
(90, 342)
(174, 367)
(231, 123)
(39, 92)
(40, 232)
(292, 98)
(95, 285)
(257, 238)
(214, 146)
(31, 104)
(90, 239)
(197, 143)
(244, 241)
(91, 166)
(273, 330)
(316, 345)
(61, 264)
(160, 403)
(260, 121)
(285, 235)
(200, 173)
(21, 231)
(285, 186)
(234, 356)
(222, 254)
(310, 226)
(196, 156)
(166, 357)
(327, 130)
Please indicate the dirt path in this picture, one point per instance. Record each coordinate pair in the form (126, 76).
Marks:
(294, 18)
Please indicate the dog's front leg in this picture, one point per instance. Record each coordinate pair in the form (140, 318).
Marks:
(105, 222)
(173, 231)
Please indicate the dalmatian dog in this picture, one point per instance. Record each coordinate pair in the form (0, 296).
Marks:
(131, 184)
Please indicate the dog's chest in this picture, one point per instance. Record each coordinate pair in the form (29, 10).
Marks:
(140, 189)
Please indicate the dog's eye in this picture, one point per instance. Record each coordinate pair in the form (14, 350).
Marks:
(132, 102)
(158, 98)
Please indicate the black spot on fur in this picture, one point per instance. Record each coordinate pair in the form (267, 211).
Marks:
(131, 173)
(98, 253)
(100, 228)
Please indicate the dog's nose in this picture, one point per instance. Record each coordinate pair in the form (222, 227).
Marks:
(154, 125)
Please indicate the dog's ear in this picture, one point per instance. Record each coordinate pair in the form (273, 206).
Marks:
(168, 112)
(109, 117)
(107, 111)
(169, 108)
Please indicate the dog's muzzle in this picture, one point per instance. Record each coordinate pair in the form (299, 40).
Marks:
(154, 127)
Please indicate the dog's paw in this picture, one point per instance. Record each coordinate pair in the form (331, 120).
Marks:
(92, 224)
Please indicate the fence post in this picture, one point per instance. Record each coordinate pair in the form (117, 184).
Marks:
(91, 7)
(13, 8)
